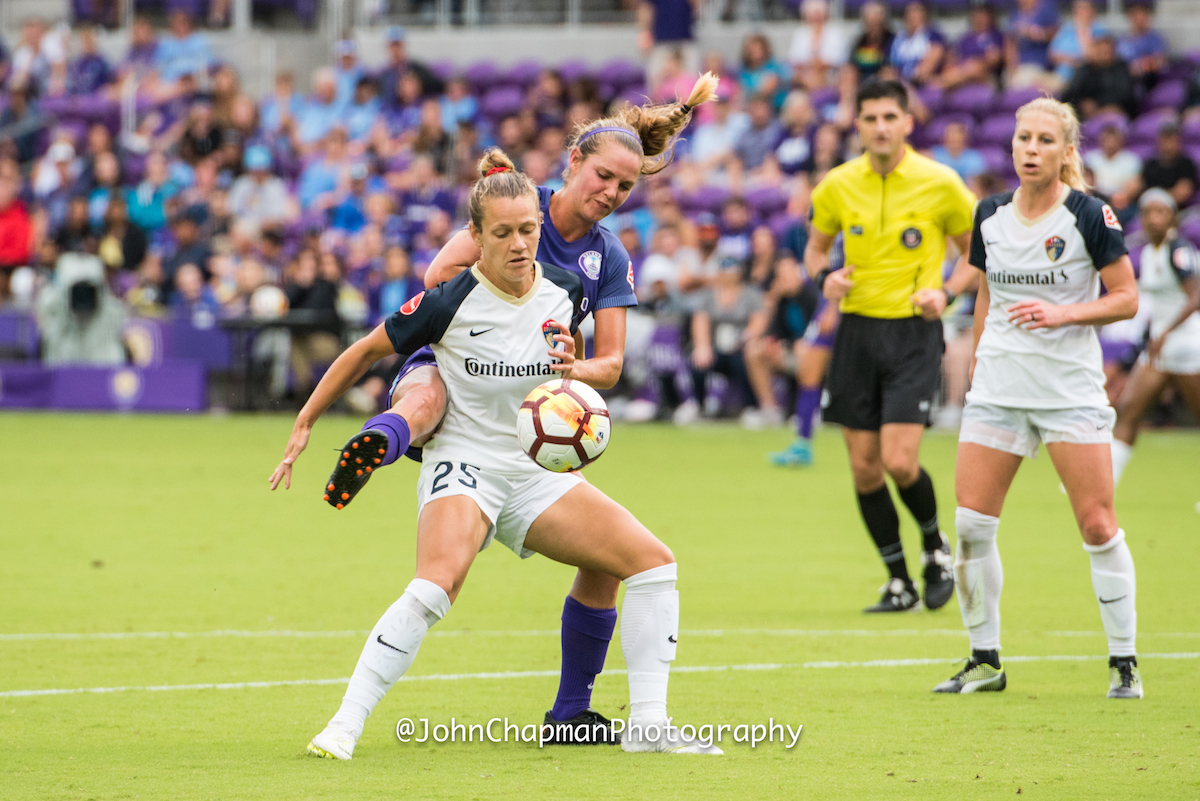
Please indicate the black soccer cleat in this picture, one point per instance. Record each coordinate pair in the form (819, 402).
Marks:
(359, 457)
(938, 575)
(589, 727)
(977, 676)
(1124, 678)
(898, 596)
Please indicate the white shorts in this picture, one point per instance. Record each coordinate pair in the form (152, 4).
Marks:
(511, 503)
(1180, 354)
(1019, 431)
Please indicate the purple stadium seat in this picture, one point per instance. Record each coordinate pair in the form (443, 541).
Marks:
(1092, 128)
(1191, 130)
(705, 198)
(996, 130)
(1168, 94)
(482, 76)
(503, 101)
(976, 99)
(932, 133)
(621, 73)
(998, 159)
(1145, 127)
(951, 6)
(444, 69)
(1012, 99)
(933, 98)
(524, 74)
(767, 201)
(573, 70)
(780, 224)
(634, 95)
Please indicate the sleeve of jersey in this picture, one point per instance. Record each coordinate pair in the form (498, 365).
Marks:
(978, 256)
(423, 319)
(1183, 260)
(1102, 234)
(616, 281)
(822, 210)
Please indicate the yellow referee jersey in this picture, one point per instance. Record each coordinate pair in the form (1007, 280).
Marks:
(894, 228)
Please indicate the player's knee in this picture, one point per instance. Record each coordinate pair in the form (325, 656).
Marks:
(652, 556)
(1098, 526)
(902, 467)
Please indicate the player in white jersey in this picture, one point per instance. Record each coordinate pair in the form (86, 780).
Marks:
(490, 328)
(1171, 294)
(1038, 378)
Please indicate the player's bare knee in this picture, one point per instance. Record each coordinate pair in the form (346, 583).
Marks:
(1098, 526)
(902, 467)
(868, 474)
(655, 555)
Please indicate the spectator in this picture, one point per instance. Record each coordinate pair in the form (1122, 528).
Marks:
(106, 184)
(225, 87)
(22, 122)
(1033, 27)
(764, 254)
(362, 113)
(282, 105)
(425, 195)
(761, 74)
(122, 244)
(183, 51)
(735, 230)
(665, 27)
(955, 154)
(760, 139)
(139, 60)
(1071, 45)
(700, 272)
(430, 138)
(873, 47)
(258, 196)
(548, 98)
(979, 55)
(827, 153)
(1142, 48)
(193, 299)
(919, 50)
(319, 182)
(347, 71)
(1103, 83)
(399, 284)
(189, 248)
(75, 234)
(16, 228)
(313, 292)
(40, 64)
(200, 138)
(321, 112)
(381, 215)
(5, 62)
(90, 72)
(795, 141)
(672, 81)
(1116, 172)
(818, 49)
(458, 105)
(148, 200)
(714, 142)
(400, 65)
(350, 214)
(54, 185)
(671, 261)
(1170, 168)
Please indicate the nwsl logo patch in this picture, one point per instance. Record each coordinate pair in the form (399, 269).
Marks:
(550, 329)
(911, 238)
(589, 262)
(1054, 247)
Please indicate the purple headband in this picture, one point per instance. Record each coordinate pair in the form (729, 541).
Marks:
(606, 129)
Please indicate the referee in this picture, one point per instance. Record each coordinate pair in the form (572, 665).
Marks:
(894, 209)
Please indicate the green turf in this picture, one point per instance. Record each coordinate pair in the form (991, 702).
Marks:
(163, 524)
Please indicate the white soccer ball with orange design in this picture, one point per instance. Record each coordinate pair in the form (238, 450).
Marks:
(564, 425)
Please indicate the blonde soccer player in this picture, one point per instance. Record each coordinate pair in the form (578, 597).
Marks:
(1038, 378)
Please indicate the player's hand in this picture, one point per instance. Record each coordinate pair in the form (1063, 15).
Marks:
(702, 357)
(1154, 349)
(1034, 314)
(839, 282)
(931, 302)
(297, 442)
(565, 356)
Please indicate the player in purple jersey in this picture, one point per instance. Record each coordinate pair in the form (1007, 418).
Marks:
(605, 159)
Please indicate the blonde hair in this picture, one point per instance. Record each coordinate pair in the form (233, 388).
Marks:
(653, 128)
(1071, 172)
(508, 183)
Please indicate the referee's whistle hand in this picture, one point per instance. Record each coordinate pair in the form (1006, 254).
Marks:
(839, 282)
(931, 302)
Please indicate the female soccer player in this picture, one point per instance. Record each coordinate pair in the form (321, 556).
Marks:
(1038, 377)
(477, 485)
(605, 159)
(1169, 288)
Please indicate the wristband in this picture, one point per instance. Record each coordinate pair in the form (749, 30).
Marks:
(820, 277)
(950, 297)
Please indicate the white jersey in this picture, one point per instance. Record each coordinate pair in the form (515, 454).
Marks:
(1055, 258)
(1160, 285)
(491, 352)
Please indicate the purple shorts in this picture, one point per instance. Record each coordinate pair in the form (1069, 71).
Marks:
(422, 358)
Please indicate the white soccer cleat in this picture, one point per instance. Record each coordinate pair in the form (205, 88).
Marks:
(669, 740)
(333, 744)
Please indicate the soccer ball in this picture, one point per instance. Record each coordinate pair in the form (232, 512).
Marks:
(563, 425)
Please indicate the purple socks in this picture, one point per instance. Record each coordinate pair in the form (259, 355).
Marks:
(396, 428)
(807, 401)
(586, 633)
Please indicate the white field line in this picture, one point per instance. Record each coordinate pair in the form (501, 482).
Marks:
(287, 634)
(523, 674)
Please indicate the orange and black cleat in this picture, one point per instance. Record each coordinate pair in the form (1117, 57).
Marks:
(348, 476)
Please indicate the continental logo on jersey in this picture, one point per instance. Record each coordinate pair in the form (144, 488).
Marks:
(589, 262)
(413, 303)
(911, 238)
(1051, 277)
(1110, 219)
(1055, 247)
(502, 370)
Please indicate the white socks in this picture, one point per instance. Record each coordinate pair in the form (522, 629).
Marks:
(649, 630)
(391, 647)
(1115, 583)
(978, 577)
(1121, 453)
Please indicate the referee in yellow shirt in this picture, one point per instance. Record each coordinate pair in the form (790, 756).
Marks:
(894, 209)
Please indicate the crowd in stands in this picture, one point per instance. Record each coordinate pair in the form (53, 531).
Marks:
(215, 203)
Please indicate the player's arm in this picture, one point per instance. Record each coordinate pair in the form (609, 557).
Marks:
(834, 284)
(455, 256)
(608, 357)
(1119, 303)
(341, 375)
(983, 301)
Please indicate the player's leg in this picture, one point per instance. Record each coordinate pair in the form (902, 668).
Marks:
(1143, 389)
(1085, 469)
(585, 528)
(418, 406)
(982, 477)
(450, 532)
(811, 363)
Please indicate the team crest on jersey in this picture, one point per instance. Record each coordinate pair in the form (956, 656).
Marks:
(910, 238)
(1183, 260)
(413, 303)
(1055, 247)
(589, 262)
(1110, 219)
(550, 329)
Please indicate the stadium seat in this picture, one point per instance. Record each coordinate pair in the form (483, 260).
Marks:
(767, 201)
(976, 99)
(996, 130)
(523, 74)
(621, 73)
(1191, 130)
(1168, 94)
(1010, 100)
(482, 76)
(503, 101)
(1092, 128)
(704, 198)
(444, 69)
(998, 160)
(1145, 127)
(932, 98)
(780, 224)
(573, 70)
(932, 133)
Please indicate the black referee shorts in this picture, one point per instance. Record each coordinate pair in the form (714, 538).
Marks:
(883, 371)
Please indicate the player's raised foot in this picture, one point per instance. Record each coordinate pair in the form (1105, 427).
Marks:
(1124, 679)
(664, 738)
(982, 673)
(798, 454)
(356, 461)
(898, 596)
(332, 744)
(589, 727)
(939, 575)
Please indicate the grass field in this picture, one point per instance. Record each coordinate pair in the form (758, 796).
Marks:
(128, 526)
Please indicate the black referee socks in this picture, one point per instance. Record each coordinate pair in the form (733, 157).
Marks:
(879, 513)
(921, 501)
